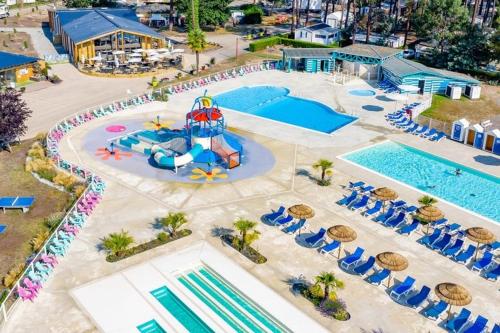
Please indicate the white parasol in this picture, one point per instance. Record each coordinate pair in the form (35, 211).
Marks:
(117, 52)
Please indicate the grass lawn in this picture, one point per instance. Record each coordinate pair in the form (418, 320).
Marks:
(22, 227)
(487, 107)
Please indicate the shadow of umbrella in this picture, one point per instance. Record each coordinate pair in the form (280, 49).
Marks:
(372, 108)
(487, 160)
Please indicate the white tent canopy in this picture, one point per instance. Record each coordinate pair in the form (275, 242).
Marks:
(396, 97)
(408, 88)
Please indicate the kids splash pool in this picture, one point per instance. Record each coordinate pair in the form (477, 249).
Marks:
(362, 92)
(473, 190)
(275, 103)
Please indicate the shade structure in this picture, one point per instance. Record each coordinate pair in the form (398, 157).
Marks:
(301, 211)
(396, 97)
(453, 294)
(391, 261)
(342, 233)
(385, 194)
(407, 88)
(430, 213)
(480, 236)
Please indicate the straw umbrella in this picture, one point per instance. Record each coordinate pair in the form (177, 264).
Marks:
(429, 214)
(301, 211)
(391, 261)
(481, 236)
(385, 194)
(342, 233)
(453, 294)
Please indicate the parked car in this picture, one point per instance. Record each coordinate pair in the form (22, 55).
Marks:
(408, 53)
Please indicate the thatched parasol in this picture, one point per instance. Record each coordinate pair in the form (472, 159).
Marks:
(301, 211)
(385, 194)
(429, 214)
(391, 261)
(342, 233)
(481, 236)
(453, 294)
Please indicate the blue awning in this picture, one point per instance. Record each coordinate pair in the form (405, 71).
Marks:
(11, 60)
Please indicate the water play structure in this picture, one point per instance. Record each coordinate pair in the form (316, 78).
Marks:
(203, 139)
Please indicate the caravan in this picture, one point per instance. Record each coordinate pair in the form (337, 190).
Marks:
(4, 11)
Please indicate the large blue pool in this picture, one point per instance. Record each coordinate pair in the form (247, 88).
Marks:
(275, 103)
(472, 190)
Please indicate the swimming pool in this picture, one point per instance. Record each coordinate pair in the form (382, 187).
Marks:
(473, 190)
(275, 103)
(362, 92)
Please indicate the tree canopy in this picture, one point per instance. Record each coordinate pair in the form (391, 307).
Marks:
(89, 3)
(13, 115)
(470, 50)
(210, 13)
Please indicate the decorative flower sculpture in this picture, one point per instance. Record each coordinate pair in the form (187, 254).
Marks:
(209, 176)
(117, 154)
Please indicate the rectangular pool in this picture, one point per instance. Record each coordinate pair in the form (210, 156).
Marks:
(473, 190)
(275, 103)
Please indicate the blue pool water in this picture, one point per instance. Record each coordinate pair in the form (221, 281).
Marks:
(274, 103)
(362, 92)
(473, 190)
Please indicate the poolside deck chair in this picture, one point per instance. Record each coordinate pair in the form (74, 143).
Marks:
(365, 189)
(458, 322)
(23, 203)
(3, 227)
(417, 300)
(496, 328)
(316, 238)
(375, 209)
(478, 326)
(275, 214)
(379, 277)
(442, 243)
(464, 256)
(328, 248)
(401, 121)
(440, 136)
(411, 209)
(385, 216)
(403, 288)
(436, 310)
(412, 128)
(493, 274)
(353, 258)
(405, 125)
(295, 227)
(483, 263)
(492, 247)
(429, 239)
(348, 199)
(365, 267)
(394, 222)
(398, 204)
(439, 222)
(453, 249)
(283, 221)
(421, 130)
(409, 228)
(452, 227)
(352, 185)
(361, 203)
(429, 134)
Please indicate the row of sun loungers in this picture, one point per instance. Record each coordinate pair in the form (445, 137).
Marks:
(399, 120)
(387, 87)
(285, 222)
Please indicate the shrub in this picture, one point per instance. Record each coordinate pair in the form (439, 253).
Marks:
(162, 236)
(11, 277)
(212, 61)
(47, 174)
(41, 138)
(4, 44)
(53, 220)
(38, 240)
(65, 180)
(78, 189)
(261, 44)
(36, 151)
(25, 44)
(253, 14)
(55, 79)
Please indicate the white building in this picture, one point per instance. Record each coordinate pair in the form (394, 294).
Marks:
(334, 19)
(319, 33)
(391, 41)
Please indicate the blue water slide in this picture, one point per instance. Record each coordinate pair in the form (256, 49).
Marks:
(177, 161)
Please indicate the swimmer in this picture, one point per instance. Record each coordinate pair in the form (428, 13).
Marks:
(458, 172)
(431, 186)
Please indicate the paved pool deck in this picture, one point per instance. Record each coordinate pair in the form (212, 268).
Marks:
(133, 203)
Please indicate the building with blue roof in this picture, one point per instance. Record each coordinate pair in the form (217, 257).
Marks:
(18, 68)
(87, 32)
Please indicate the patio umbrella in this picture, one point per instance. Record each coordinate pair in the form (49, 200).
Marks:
(453, 294)
(117, 52)
(385, 194)
(301, 211)
(481, 236)
(342, 233)
(177, 51)
(391, 261)
(429, 214)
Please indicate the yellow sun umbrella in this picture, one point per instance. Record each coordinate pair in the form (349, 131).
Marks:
(391, 261)
(301, 211)
(429, 214)
(385, 194)
(481, 236)
(342, 233)
(453, 294)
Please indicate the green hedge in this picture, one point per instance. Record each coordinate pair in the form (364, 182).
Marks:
(261, 44)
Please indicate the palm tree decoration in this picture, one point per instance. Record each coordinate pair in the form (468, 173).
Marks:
(173, 221)
(117, 242)
(247, 236)
(330, 283)
(197, 43)
(326, 171)
(426, 201)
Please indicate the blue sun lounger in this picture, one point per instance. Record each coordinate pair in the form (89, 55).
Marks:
(478, 326)
(417, 300)
(493, 274)
(356, 184)
(274, 215)
(409, 228)
(436, 310)
(439, 222)
(412, 128)
(411, 209)
(375, 209)
(23, 203)
(361, 203)
(452, 227)
(464, 256)
(483, 263)
(492, 247)
(421, 130)
(365, 267)
(398, 204)
(394, 222)
(353, 258)
(365, 189)
(283, 220)
(440, 136)
(429, 239)
(295, 227)
(403, 288)
(348, 199)
(328, 248)
(405, 125)
(496, 328)
(316, 238)
(457, 323)
(429, 134)
(2, 228)
(384, 217)
(453, 249)
(442, 243)
(379, 277)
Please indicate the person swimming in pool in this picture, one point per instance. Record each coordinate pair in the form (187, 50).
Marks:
(458, 172)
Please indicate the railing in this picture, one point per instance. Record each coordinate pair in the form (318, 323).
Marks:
(439, 125)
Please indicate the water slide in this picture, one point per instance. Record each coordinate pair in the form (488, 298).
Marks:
(177, 161)
(221, 147)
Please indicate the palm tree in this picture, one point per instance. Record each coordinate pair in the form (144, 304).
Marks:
(427, 200)
(326, 169)
(247, 236)
(117, 241)
(197, 43)
(173, 221)
(330, 283)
